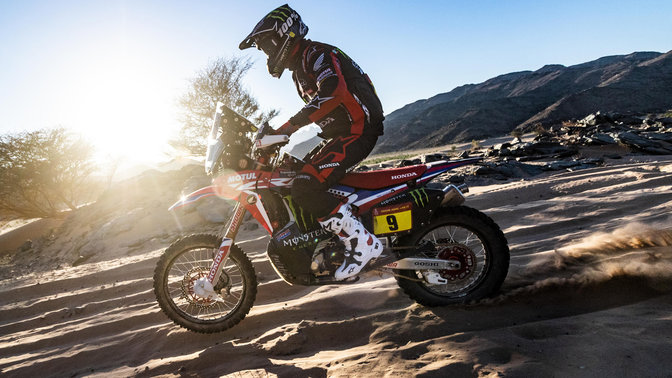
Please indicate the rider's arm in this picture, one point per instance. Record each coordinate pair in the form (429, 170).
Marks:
(331, 90)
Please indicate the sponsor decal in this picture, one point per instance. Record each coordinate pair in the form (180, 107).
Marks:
(329, 165)
(284, 173)
(302, 176)
(284, 27)
(326, 122)
(283, 235)
(325, 74)
(423, 263)
(237, 217)
(317, 102)
(420, 197)
(318, 63)
(300, 240)
(403, 176)
(221, 254)
(300, 216)
(393, 199)
(241, 177)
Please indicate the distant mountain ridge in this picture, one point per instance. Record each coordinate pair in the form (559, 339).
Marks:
(638, 82)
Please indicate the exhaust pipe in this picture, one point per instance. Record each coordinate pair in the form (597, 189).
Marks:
(453, 195)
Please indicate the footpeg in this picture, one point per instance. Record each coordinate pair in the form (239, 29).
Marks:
(434, 278)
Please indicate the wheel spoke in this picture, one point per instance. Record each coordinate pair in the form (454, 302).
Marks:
(445, 237)
(193, 265)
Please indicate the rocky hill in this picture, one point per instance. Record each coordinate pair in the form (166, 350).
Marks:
(638, 82)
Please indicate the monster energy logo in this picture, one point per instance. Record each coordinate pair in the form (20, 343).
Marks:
(420, 197)
(279, 13)
(303, 218)
(287, 20)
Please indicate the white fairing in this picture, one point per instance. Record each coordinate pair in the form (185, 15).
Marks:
(269, 140)
(215, 148)
(215, 145)
(301, 143)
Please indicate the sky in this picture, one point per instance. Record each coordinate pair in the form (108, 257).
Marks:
(113, 70)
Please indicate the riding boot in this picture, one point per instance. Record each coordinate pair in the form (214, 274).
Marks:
(360, 245)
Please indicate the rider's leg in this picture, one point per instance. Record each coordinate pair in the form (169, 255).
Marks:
(361, 245)
(309, 189)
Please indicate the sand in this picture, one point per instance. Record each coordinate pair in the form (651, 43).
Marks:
(589, 293)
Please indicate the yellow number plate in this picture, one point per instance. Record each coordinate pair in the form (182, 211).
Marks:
(391, 219)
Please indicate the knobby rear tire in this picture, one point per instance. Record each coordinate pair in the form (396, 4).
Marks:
(483, 237)
(166, 292)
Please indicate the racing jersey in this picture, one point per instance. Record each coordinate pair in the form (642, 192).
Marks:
(339, 96)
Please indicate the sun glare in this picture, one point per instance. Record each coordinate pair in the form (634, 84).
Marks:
(124, 107)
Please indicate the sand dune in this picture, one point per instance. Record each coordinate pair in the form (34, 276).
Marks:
(589, 293)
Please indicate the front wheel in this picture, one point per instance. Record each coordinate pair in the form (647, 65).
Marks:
(456, 233)
(188, 260)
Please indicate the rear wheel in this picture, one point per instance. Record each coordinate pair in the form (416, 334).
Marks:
(186, 261)
(468, 236)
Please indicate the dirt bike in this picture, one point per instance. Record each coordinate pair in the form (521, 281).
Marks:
(440, 251)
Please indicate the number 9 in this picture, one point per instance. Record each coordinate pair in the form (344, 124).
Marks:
(392, 222)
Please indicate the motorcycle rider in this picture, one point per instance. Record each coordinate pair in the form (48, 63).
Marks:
(341, 99)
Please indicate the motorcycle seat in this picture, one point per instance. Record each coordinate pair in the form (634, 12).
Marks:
(383, 178)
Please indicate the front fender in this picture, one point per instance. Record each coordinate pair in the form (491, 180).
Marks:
(227, 186)
(189, 199)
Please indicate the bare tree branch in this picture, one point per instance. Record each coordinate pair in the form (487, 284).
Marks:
(43, 173)
(221, 81)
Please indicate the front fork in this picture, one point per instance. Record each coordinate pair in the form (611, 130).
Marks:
(204, 287)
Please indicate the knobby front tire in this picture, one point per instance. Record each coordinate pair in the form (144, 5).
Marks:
(189, 259)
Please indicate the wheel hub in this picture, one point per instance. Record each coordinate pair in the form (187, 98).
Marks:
(464, 255)
(188, 282)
